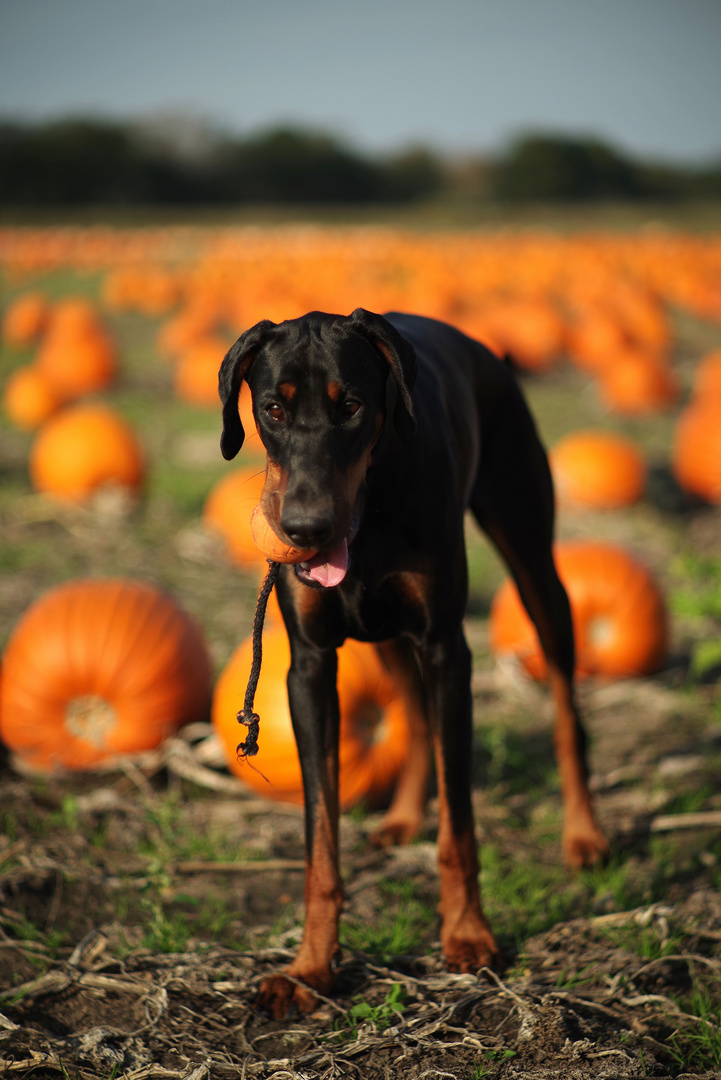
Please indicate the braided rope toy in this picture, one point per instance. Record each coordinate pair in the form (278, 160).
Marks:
(276, 552)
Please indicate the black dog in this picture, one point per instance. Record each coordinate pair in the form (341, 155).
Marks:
(380, 431)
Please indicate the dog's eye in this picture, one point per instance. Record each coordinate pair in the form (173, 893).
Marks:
(275, 411)
(349, 408)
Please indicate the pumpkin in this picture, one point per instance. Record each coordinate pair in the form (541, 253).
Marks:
(77, 354)
(97, 668)
(227, 511)
(28, 398)
(696, 450)
(184, 329)
(596, 468)
(707, 376)
(529, 329)
(24, 320)
(595, 339)
(82, 448)
(638, 383)
(619, 615)
(374, 731)
(195, 377)
(271, 545)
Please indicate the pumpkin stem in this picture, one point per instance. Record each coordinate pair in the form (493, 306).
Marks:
(249, 747)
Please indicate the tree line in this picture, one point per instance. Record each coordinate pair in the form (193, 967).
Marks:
(76, 161)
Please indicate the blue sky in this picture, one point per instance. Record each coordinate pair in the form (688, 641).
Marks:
(461, 75)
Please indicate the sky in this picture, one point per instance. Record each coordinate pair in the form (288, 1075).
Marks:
(463, 76)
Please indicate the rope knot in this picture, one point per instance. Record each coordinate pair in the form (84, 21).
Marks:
(249, 746)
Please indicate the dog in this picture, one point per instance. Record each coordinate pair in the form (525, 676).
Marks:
(380, 431)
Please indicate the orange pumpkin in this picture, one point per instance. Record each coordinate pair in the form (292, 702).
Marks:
(196, 371)
(696, 452)
(638, 383)
(596, 468)
(24, 320)
(77, 354)
(707, 376)
(374, 730)
(619, 614)
(83, 448)
(97, 668)
(184, 329)
(228, 509)
(595, 339)
(528, 328)
(28, 398)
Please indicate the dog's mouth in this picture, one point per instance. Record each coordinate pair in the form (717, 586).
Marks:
(326, 569)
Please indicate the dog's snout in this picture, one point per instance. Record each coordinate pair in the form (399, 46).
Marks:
(309, 526)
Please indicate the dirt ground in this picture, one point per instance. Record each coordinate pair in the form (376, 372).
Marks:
(579, 999)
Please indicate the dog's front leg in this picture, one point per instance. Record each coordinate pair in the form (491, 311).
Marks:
(467, 941)
(314, 710)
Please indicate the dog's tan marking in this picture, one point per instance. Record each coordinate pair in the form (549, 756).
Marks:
(287, 390)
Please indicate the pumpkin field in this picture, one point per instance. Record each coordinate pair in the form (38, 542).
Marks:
(148, 877)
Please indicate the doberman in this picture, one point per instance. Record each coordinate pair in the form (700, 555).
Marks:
(380, 431)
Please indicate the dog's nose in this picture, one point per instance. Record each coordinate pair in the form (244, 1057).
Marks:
(308, 527)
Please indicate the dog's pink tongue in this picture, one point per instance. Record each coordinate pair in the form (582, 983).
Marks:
(328, 568)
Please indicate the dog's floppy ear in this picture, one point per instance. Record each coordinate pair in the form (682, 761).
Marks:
(233, 370)
(401, 358)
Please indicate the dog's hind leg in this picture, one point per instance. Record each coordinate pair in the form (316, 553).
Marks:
(513, 503)
(404, 816)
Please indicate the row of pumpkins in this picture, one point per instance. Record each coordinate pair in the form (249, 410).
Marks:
(76, 357)
(98, 668)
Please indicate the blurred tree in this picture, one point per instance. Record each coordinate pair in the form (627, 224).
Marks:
(80, 161)
(548, 168)
(287, 165)
(414, 174)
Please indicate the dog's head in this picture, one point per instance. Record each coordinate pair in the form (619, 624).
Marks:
(324, 388)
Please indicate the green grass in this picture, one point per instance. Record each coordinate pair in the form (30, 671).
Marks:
(646, 941)
(402, 925)
(698, 1045)
(380, 1016)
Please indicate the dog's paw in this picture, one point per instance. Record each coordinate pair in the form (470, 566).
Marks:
(585, 849)
(470, 946)
(394, 831)
(278, 996)
(468, 957)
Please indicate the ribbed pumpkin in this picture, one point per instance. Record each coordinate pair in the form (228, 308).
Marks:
(619, 615)
(598, 469)
(696, 451)
(97, 668)
(24, 320)
(77, 354)
(374, 730)
(28, 398)
(82, 448)
(228, 509)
